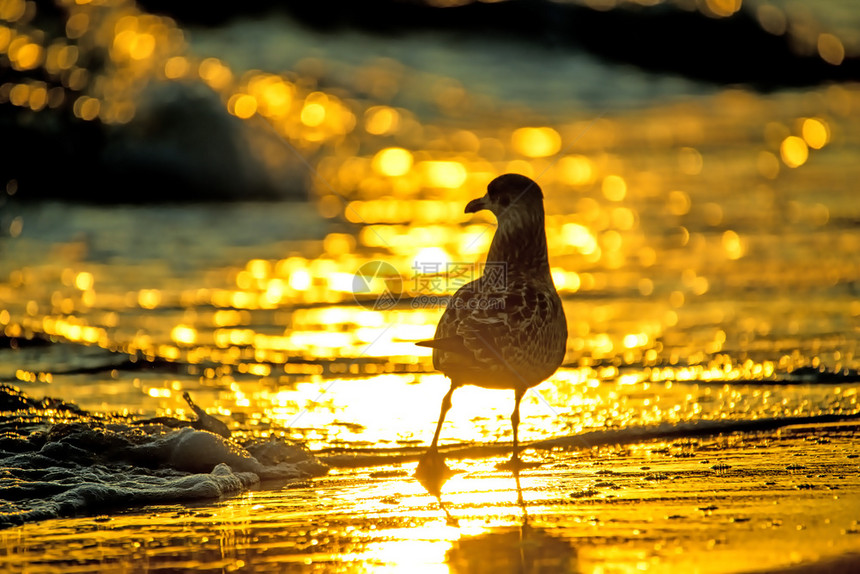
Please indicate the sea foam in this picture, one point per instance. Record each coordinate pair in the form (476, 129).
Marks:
(93, 466)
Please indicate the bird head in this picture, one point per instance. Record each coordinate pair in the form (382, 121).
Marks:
(508, 193)
(520, 239)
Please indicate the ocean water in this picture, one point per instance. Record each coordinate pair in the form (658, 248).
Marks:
(704, 240)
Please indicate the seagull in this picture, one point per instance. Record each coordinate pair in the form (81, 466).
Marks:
(506, 329)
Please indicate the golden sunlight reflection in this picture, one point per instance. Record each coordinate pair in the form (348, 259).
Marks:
(575, 170)
(614, 187)
(723, 8)
(444, 174)
(830, 49)
(392, 162)
(816, 132)
(411, 194)
(794, 151)
(536, 142)
(342, 410)
(419, 550)
(705, 252)
(381, 120)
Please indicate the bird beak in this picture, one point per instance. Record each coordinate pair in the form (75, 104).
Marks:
(477, 205)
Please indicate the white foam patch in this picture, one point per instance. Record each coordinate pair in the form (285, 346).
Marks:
(115, 491)
(87, 469)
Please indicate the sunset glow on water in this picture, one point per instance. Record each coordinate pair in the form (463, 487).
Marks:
(705, 248)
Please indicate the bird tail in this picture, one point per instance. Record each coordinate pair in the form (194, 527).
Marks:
(449, 344)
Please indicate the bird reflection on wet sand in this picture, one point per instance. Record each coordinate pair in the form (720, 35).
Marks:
(432, 473)
(522, 550)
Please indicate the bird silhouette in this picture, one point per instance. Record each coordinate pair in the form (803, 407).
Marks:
(506, 329)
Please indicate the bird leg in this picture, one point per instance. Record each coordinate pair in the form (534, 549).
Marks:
(446, 405)
(515, 423)
(515, 464)
(432, 472)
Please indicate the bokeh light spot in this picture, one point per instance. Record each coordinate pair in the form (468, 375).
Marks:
(381, 120)
(445, 174)
(149, 298)
(313, 114)
(733, 244)
(536, 142)
(772, 19)
(84, 280)
(242, 105)
(690, 161)
(214, 73)
(77, 25)
(830, 49)
(575, 170)
(142, 46)
(614, 187)
(767, 164)
(580, 237)
(679, 202)
(27, 56)
(12, 10)
(815, 132)
(393, 162)
(723, 8)
(176, 67)
(794, 151)
(87, 108)
(434, 258)
(300, 280)
(184, 335)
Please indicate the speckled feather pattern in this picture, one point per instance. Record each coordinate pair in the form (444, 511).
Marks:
(513, 337)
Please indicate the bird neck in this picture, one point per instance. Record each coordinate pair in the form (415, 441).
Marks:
(520, 243)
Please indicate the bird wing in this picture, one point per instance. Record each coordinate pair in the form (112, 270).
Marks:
(482, 331)
(499, 337)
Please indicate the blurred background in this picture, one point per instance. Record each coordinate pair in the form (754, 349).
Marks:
(195, 186)
(126, 100)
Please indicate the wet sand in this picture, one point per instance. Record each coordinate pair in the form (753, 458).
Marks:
(785, 501)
